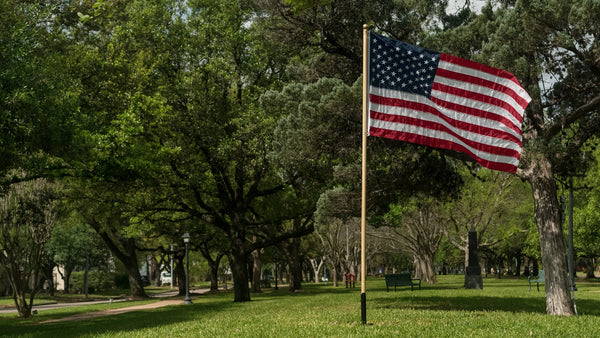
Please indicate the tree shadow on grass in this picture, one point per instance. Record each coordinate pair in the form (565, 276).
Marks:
(477, 303)
(123, 322)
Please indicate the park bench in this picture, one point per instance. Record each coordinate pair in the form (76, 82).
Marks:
(350, 280)
(265, 283)
(400, 279)
(540, 278)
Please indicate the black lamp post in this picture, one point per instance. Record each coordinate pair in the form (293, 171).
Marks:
(186, 240)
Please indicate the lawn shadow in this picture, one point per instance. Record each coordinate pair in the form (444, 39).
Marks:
(123, 322)
(477, 303)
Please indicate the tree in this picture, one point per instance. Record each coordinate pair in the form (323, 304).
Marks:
(74, 245)
(558, 38)
(486, 197)
(38, 99)
(586, 215)
(537, 41)
(109, 210)
(28, 211)
(221, 173)
(417, 229)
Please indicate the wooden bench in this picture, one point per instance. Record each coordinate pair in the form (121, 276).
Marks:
(350, 280)
(540, 278)
(401, 279)
(265, 283)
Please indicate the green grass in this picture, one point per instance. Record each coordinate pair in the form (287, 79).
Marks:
(504, 308)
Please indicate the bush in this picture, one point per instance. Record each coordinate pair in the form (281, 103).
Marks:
(97, 281)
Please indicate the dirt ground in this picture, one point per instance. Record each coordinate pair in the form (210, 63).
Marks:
(96, 314)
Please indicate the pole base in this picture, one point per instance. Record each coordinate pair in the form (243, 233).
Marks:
(363, 307)
(187, 300)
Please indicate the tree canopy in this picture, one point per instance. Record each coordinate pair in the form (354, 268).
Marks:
(240, 120)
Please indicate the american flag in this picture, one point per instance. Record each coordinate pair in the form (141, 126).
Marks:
(438, 100)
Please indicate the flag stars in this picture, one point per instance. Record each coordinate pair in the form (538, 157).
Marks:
(396, 65)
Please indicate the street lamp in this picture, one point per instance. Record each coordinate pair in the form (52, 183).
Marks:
(186, 240)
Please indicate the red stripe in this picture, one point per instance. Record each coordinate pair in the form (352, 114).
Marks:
(477, 112)
(437, 143)
(475, 128)
(478, 97)
(484, 83)
(478, 66)
(400, 119)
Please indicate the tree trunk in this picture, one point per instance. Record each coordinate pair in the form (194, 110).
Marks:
(67, 280)
(334, 275)
(316, 267)
(295, 263)
(127, 256)
(47, 271)
(214, 276)
(23, 308)
(179, 272)
(213, 265)
(589, 268)
(239, 271)
(136, 284)
(256, 270)
(424, 268)
(547, 218)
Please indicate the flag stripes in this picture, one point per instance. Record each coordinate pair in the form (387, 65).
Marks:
(442, 101)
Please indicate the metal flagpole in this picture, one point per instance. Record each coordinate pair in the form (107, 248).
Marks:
(363, 212)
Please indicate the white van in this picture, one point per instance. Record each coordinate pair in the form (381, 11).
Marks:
(165, 277)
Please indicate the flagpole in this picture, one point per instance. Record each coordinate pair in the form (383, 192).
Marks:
(363, 212)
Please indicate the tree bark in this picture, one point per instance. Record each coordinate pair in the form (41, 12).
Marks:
(317, 267)
(179, 272)
(239, 270)
(67, 279)
(424, 268)
(214, 276)
(589, 268)
(128, 257)
(135, 279)
(295, 263)
(547, 218)
(256, 270)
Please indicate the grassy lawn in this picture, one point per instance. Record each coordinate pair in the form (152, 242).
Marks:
(504, 308)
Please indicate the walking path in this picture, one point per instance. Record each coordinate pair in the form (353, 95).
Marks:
(109, 312)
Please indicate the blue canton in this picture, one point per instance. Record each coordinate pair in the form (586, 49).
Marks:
(400, 66)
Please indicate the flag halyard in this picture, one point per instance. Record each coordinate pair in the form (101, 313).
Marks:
(434, 99)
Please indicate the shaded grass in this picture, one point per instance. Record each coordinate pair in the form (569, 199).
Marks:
(503, 308)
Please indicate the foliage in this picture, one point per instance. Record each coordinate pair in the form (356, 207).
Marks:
(37, 100)
(71, 243)
(417, 229)
(98, 281)
(163, 113)
(28, 211)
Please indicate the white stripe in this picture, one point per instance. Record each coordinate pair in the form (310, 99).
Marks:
(452, 114)
(475, 137)
(466, 102)
(487, 76)
(444, 136)
(482, 91)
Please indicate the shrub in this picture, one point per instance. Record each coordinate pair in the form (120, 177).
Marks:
(97, 281)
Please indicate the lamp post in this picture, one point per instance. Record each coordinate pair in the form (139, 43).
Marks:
(186, 240)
